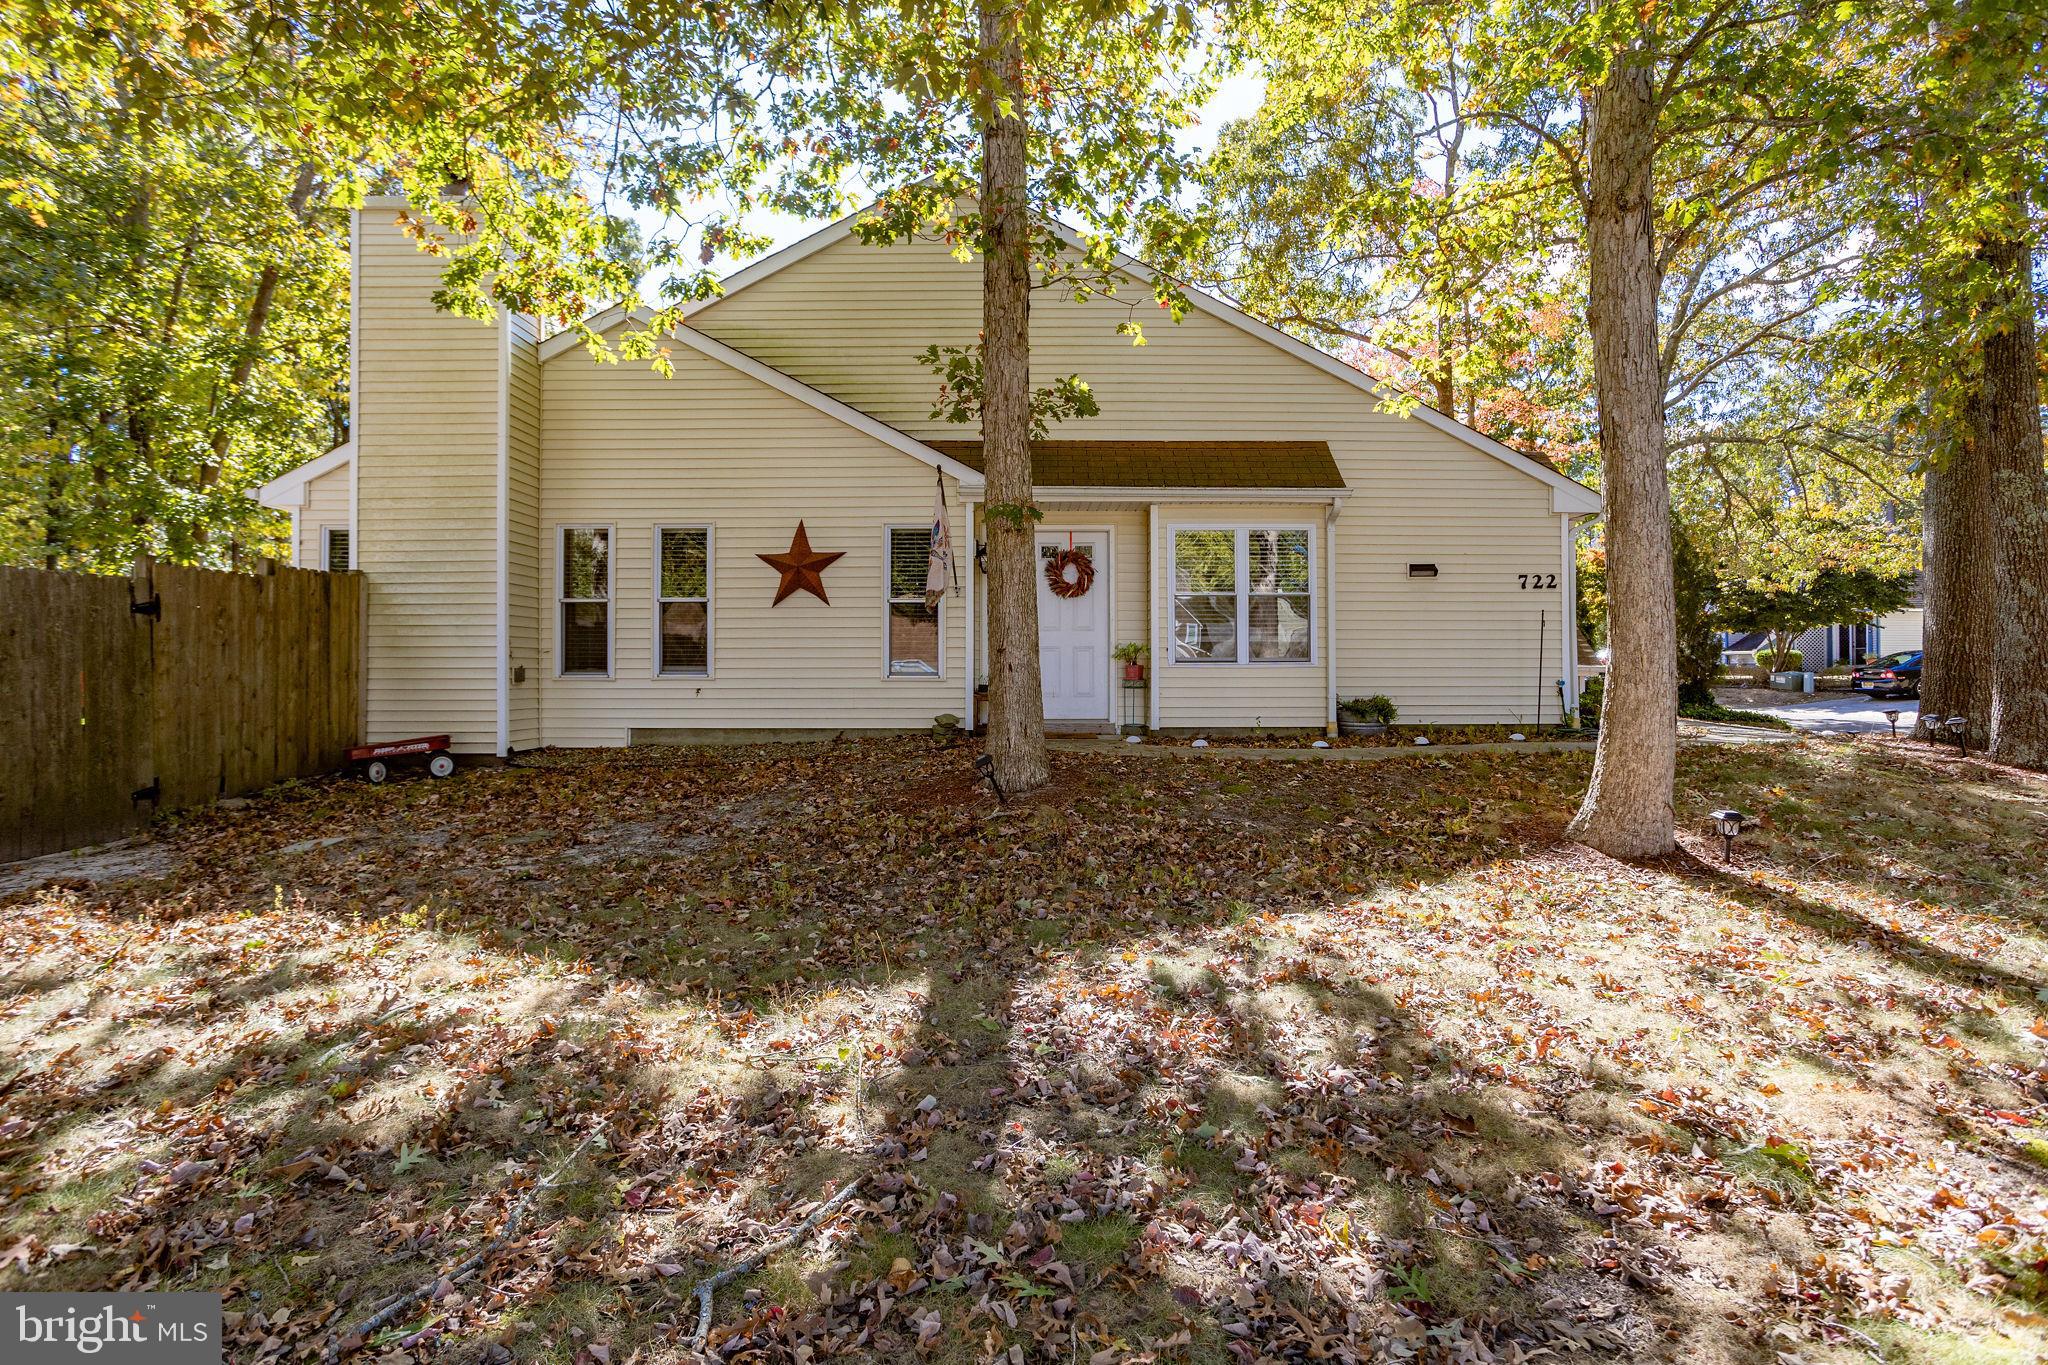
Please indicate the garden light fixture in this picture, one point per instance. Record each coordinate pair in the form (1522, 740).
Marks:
(1728, 824)
(1959, 726)
(1893, 717)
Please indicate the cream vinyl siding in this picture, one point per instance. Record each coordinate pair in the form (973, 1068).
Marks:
(1465, 646)
(326, 505)
(1278, 695)
(712, 447)
(426, 432)
(527, 603)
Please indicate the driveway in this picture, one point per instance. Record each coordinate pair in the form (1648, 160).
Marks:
(1849, 712)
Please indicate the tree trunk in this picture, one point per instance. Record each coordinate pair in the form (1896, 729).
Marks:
(2010, 433)
(1627, 808)
(1956, 583)
(1016, 705)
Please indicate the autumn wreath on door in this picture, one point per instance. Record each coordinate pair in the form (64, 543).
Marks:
(1069, 572)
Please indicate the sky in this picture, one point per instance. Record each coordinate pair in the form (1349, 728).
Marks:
(1236, 97)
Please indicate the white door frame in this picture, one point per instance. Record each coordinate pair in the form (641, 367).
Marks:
(1105, 581)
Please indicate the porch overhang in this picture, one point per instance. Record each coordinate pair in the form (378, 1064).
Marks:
(1172, 471)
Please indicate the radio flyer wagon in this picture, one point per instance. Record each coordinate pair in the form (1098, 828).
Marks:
(376, 758)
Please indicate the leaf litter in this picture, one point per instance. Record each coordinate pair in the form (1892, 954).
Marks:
(1220, 1061)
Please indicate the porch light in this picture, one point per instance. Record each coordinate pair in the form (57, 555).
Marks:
(1728, 824)
(1422, 571)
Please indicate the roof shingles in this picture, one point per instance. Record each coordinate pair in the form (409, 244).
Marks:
(1170, 464)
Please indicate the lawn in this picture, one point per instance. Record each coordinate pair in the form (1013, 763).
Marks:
(1216, 1060)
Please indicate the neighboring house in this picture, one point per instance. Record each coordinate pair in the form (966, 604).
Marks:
(1738, 648)
(1902, 630)
(558, 551)
(1820, 648)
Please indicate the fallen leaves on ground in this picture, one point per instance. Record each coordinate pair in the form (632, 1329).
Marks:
(1223, 1060)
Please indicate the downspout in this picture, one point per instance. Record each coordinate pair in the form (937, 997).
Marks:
(1568, 694)
(504, 746)
(1330, 611)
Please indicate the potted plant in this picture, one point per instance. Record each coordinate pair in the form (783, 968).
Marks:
(1366, 715)
(1131, 655)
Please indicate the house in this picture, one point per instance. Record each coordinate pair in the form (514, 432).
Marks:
(560, 551)
(1819, 648)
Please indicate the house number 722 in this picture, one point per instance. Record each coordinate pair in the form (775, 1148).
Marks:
(1535, 581)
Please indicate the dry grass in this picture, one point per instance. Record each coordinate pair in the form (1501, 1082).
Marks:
(1315, 1061)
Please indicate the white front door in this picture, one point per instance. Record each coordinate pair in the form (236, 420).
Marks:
(1073, 632)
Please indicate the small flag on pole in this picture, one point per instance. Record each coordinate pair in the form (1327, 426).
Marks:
(939, 566)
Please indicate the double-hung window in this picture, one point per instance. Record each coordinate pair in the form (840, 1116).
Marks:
(1242, 595)
(682, 601)
(913, 627)
(585, 602)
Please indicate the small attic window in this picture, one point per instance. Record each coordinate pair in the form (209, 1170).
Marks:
(334, 548)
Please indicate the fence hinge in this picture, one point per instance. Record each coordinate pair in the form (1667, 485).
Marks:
(152, 793)
(153, 607)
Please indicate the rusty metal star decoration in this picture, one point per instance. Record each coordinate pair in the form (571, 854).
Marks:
(802, 568)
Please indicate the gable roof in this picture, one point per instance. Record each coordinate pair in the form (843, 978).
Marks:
(1303, 465)
(561, 343)
(1566, 494)
(288, 490)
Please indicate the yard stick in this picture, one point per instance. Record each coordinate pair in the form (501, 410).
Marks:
(383, 1316)
(705, 1288)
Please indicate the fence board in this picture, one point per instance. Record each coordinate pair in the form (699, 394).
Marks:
(242, 681)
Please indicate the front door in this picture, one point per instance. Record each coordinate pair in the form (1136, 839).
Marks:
(1073, 631)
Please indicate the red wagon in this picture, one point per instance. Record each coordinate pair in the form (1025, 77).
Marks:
(376, 758)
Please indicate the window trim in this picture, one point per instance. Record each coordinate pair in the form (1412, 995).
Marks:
(889, 530)
(610, 599)
(327, 548)
(1241, 533)
(710, 530)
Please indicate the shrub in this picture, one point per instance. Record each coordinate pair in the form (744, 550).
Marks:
(1378, 709)
(1767, 659)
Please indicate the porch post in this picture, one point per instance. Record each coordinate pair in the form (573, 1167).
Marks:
(967, 610)
(1152, 612)
(1330, 611)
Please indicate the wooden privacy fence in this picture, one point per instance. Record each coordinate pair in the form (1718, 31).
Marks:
(122, 697)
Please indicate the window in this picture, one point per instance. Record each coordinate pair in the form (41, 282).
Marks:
(586, 602)
(1242, 595)
(1277, 589)
(334, 547)
(682, 601)
(913, 627)
(1205, 596)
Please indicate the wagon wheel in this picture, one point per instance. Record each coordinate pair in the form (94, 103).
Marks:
(441, 765)
(376, 770)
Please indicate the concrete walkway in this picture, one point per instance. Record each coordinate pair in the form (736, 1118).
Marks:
(1307, 754)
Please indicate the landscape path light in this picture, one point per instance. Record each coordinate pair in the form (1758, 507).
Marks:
(1893, 716)
(1728, 824)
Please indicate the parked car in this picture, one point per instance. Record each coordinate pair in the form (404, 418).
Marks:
(1895, 675)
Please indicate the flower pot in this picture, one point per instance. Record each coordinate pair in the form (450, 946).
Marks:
(1134, 672)
(1348, 724)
